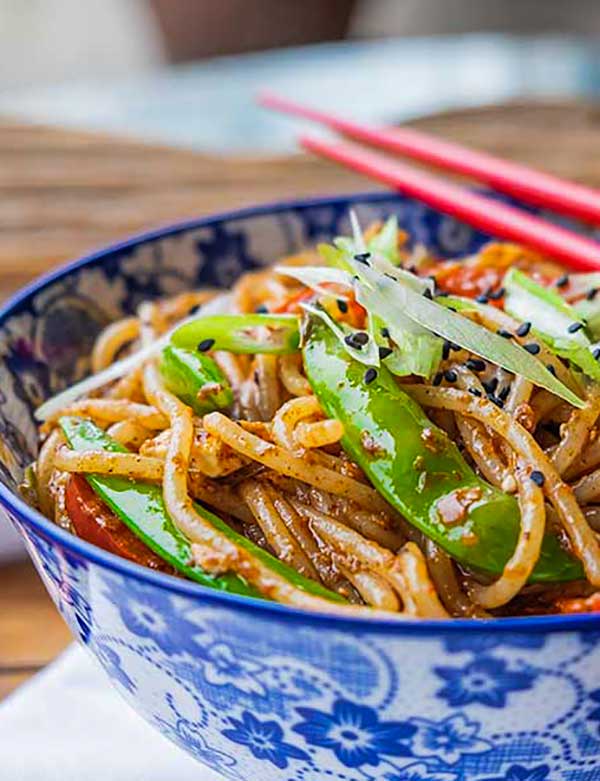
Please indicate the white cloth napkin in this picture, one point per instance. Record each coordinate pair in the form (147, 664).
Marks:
(68, 724)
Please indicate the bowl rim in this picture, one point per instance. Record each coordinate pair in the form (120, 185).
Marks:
(266, 609)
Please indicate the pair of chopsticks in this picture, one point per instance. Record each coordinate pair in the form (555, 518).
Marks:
(498, 219)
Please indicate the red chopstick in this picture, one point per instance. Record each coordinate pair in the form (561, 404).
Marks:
(519, 180)
(498, 219)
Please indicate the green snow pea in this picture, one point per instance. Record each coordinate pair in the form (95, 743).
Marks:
(417, 468)
(196, 379)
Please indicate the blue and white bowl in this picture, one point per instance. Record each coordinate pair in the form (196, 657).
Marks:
(252, 689)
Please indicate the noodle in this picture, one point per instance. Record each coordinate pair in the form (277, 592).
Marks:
(129, 433)
(102, 462)
(276, 532)
(292, 379)
(112, 340)
(289, 415)
(576, 434)
(293, 466)
(45, 467)
(113, 411)
(531, 535)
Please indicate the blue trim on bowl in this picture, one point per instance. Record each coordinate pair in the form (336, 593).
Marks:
(49, 530)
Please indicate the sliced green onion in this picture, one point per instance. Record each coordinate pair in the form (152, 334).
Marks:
(314, 277)
(553, 320)
(385, 242)
(417, 350)
(367, 353)
(400, 298)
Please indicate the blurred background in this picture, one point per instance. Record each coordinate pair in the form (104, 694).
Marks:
(185, 71)
(117, 115)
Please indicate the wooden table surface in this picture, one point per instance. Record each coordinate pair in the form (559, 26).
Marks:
(63, 192)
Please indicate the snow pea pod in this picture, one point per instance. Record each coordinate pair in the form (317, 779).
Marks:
(141, 508)
(418, 469)
(196, 379)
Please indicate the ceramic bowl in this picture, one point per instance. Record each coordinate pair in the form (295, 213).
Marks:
(254, 690)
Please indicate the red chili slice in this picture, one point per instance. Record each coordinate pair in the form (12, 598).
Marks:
(95, 522)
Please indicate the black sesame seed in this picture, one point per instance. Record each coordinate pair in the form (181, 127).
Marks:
(475, 392)
(261, 309)
(411, 267)
(523, 329)
(385, 332)
(491, 385)
(446, 349)
(205, 345)
(503, 394)
(195, 309)
(482, 299)
(537, 477)
(342, 305)
(562, 281)
(384, 352)
(532, 348)
(437, 379)
(596, 353)
(450, 375)
(475, 364)
(427, 293)
(551, 369)
(370, 375)
(574, 327)
(451, 309)
(361, 337)
(350, 341)
(504, 333)
(497, 294)
(591, 295)
(363, 257)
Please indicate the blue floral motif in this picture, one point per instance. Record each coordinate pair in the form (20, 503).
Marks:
(354, 733)
(480, 643)
(594, 715)
(150, 613)
(520, 773)
(449, 739)
(224, 668)
(264, 739)
(485, 680)
(111, 661)
(187, 734)
(419, 772)
(226, 256)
